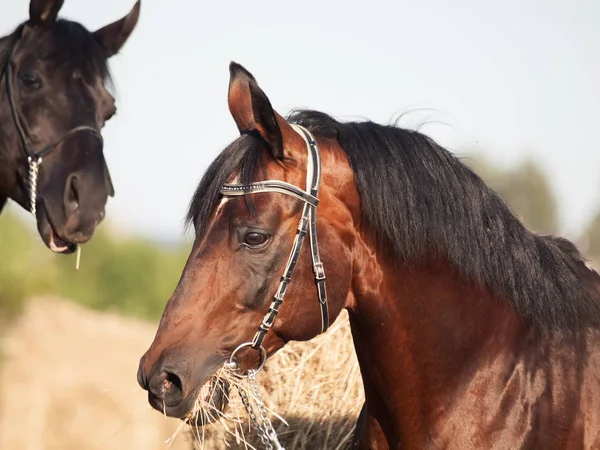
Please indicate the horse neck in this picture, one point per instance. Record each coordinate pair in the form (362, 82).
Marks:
(11, 156)
(418, 330)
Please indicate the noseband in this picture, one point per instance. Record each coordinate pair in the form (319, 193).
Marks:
(34, 158)
(307, 224)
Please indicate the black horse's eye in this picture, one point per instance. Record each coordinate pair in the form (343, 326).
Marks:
(254, 239)
(30, 80)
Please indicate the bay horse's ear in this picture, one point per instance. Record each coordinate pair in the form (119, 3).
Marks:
(44, 12)
(252, 112)
(112, 37)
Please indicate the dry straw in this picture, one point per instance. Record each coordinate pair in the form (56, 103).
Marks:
(313, 386)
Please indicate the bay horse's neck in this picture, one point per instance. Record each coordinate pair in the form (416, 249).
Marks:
(413, 343)
(12, 162)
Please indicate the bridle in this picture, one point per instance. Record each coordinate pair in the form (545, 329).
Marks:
(34, 158)
(307, 224)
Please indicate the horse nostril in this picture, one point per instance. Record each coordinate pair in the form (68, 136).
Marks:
(72, 194)
(167, 387)
(172, 385)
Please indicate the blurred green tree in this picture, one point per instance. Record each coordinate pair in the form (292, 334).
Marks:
(133, 276)
(22, 272)
(591, 237)
(525, 189)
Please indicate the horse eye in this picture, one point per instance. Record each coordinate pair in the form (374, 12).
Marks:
(254, 239)
(30, 81)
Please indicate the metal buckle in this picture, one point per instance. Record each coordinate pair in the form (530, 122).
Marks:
(319, 271)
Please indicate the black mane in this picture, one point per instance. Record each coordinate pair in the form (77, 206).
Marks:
(418, 198)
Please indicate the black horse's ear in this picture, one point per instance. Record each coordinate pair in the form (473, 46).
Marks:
(44, 12)
(252, 110)
(112, 37)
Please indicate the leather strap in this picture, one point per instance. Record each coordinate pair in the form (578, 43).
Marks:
(307, 224)
(269, 186)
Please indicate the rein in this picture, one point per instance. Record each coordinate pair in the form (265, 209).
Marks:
(34, 158)
(307, 225)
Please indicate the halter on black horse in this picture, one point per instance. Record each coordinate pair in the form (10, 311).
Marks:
(34, 158)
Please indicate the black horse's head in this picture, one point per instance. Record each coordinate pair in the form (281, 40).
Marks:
(53, 103)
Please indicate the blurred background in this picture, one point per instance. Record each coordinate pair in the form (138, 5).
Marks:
(511, 87)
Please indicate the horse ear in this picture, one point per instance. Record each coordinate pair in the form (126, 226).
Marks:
(112, 37)
(43, 12)
(252, 110)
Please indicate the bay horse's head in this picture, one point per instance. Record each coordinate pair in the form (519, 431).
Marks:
(53, 105)
(247, 246)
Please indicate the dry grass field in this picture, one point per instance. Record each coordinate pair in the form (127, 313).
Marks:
(68, 381)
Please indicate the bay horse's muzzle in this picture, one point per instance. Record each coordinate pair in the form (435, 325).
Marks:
(165, 388)
(171, 395)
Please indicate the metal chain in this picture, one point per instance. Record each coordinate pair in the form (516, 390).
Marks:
(34, 167)
(264, 427)
(255, 423)
(267, 425)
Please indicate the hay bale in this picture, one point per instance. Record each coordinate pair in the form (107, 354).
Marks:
(315, 386)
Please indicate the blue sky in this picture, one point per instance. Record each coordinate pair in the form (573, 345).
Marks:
(509, 79)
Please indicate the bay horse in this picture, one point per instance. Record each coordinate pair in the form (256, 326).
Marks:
(471, 331)
(54, 102)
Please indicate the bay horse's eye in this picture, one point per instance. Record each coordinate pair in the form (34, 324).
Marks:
(254, 239)
(30, 80)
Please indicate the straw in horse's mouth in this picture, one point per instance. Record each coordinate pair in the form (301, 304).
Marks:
(205, 409)
(213, 399)
(205, 391)
(209, 408)
(211, 402)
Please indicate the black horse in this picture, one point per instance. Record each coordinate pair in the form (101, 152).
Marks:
(53, 104)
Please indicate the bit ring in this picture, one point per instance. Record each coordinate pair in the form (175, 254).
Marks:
(233, 365)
